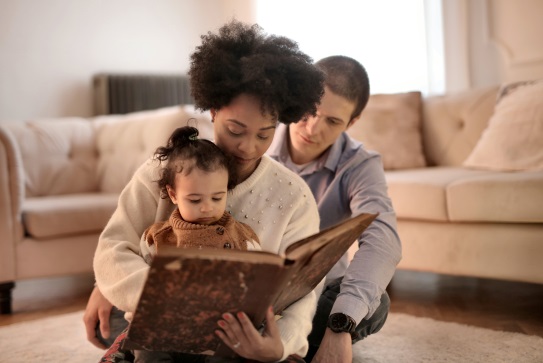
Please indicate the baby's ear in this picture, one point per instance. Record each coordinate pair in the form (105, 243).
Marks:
(171, 194)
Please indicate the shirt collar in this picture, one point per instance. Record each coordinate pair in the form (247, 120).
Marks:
(335, 153)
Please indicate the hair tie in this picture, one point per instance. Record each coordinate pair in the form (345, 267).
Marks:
(193, 137)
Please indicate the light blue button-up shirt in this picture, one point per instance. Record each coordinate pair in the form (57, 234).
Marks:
(346, 181)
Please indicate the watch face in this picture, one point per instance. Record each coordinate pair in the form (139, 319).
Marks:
(339, 322)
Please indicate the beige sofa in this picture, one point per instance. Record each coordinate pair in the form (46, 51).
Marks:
(454, 219)
(60, 180)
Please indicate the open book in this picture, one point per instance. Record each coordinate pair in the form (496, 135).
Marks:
(187, 290)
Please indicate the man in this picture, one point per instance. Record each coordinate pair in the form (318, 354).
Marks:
(346, 180)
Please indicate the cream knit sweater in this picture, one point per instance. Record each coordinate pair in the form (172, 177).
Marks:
(274, 201)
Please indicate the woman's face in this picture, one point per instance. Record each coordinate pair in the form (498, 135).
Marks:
(242, 131)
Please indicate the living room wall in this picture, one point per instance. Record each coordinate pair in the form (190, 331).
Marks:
(50, 49)
(488, 42)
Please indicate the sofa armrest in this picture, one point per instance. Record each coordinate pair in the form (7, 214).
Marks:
(11, 200)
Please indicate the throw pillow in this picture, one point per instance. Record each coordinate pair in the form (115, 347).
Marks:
(391, 125)
(513, 139)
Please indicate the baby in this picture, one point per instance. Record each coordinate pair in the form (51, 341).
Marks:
(196, 177)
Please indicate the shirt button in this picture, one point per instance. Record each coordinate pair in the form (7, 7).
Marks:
(227, 245)
(220, 230)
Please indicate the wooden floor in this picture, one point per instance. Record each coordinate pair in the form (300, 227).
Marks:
(492, 304)
(40, 298)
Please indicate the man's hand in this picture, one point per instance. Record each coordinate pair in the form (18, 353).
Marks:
(335, 347)
(98, 310)
(242, 337)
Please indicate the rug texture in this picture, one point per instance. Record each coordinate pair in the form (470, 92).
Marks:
(404, 338)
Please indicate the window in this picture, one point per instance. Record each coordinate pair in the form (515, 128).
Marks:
(389, 37)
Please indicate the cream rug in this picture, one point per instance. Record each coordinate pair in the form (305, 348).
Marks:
(404, 338)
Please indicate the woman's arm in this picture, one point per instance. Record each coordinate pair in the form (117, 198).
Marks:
(119, 269)
(98, 310)
(296, 321)
(298, 219)
(137, 208)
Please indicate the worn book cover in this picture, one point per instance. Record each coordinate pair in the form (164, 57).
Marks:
(187, 290)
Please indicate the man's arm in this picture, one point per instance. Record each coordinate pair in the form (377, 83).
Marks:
(379, 252)
(374, 263)
(335, 347)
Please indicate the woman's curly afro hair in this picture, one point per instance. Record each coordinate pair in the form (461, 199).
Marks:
(243, 59)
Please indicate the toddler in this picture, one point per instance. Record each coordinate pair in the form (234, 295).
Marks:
(196, 177)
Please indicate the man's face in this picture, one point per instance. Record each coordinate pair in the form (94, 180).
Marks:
(310, 138)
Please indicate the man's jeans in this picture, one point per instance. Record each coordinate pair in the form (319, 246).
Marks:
(324, 307)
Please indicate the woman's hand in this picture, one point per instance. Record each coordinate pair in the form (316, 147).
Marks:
(243, 338)
(98, 310)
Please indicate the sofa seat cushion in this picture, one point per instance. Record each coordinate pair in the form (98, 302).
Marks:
(422, 193)
(454, 194)
(497, 197)
(68, 214)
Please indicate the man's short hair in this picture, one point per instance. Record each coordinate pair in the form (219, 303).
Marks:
(347, 78)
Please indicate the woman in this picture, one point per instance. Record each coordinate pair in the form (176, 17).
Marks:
(249, 81)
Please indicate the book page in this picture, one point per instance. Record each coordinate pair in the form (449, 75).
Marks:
(315, 256)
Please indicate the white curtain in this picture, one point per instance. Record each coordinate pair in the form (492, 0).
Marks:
(400, 42)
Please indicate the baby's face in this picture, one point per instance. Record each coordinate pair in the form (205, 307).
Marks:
(200, 196)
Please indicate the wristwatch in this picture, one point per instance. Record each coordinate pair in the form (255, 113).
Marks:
(341, 323)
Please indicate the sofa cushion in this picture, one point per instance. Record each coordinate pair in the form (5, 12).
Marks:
(452, 124)
(513, 139)
(422, 193)
(70, 165)
(391, 125)
(497, 197)
(124, 142)
(72, 214)
(454, 194)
